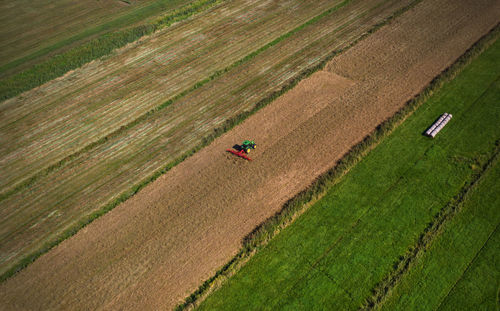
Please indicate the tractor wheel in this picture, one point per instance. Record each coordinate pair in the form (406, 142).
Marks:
(248, 150)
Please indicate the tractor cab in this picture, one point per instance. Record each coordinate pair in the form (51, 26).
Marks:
(248, 145)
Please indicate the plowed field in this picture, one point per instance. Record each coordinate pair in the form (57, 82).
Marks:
(77, 143)
(156, 248)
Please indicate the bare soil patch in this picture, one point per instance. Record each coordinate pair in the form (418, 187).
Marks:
(156, 248)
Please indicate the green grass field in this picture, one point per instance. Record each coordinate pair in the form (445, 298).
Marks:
(459, 270)
(351, 239)
(479, 286)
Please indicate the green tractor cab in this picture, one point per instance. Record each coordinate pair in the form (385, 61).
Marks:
(248, 145)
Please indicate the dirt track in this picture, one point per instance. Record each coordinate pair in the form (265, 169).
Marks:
(152, 251)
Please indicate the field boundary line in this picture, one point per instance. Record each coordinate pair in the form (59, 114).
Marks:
(468, 266)
(31, 180)
(297, 205)
(216, 132)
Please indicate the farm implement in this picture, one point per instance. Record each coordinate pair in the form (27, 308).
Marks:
(243, 149)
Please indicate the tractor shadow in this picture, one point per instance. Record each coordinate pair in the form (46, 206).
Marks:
(237, 147)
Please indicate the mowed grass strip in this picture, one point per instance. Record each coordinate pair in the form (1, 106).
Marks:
(459, 268)
(98, 179)
(334, 254)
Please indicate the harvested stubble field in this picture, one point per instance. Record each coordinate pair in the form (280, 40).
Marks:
(33, 30)
(334, 254)
(62, 178)
(158, 246)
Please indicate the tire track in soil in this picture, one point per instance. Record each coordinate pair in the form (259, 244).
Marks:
(160, 245)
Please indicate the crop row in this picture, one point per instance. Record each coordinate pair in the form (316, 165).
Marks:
(48, 124)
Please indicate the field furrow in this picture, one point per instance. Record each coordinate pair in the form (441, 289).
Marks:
(137, 79)
(102, 174)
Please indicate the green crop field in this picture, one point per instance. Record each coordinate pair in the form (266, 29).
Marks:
(479, 286)
(409, 194)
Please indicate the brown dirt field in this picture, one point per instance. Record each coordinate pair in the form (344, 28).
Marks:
(58, 200)
(157, 247)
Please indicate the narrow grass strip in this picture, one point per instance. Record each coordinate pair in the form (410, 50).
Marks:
(76, 57)
(298, 204)
(228, 125)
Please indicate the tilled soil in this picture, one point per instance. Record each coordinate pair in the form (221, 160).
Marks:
(157, 247)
